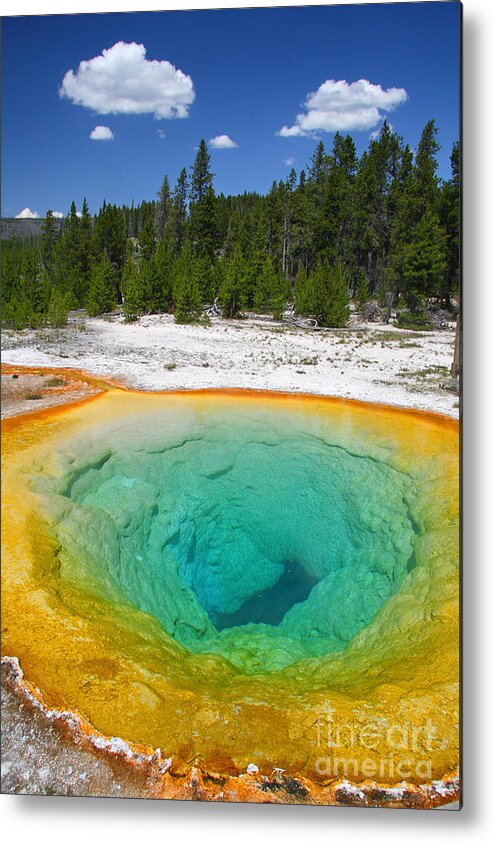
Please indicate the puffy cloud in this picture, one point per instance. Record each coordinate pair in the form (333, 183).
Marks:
(292, 131)
(222, 141)
(161, 134)
(289, 162)
(27, 213)
(122, 81)
(343, 106)
(102, 133)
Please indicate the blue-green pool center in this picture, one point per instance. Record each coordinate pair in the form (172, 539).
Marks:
(263, 544)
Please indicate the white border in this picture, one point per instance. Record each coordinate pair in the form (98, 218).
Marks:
(77, 819)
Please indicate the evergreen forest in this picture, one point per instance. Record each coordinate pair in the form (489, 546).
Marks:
(380, 227)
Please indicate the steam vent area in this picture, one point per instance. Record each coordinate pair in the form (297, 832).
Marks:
(222, 576)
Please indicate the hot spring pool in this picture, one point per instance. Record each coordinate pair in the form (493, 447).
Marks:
(206, 573)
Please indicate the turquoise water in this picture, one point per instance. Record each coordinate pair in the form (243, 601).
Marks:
(258, 541)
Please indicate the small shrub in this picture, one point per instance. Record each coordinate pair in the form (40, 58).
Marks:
(58, 309)
(412, 321)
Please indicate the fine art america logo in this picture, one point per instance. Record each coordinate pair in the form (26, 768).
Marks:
(347, 749)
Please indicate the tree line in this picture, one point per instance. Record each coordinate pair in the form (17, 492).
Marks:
(381, 227)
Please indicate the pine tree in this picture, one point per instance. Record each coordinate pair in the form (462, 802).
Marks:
(188, 308)
(161, 268)
(426, 181)
(402, 226)
(324, 294)
(201, 175)
(271, 291)
(101, 296)
(424, 261)
(317, 217)
(110, 237)
(132, 289)
(20, 271)
(318, 165)
(42, 293)
(301, 238)
(340, 197)
(203, 223)
(147, 240)
(85, 248)
(67, 259)
(186, 292)
(163, 208)
(49, 237)
(156, 281)
(450, 220)
(374, 202)
(417, 262)
(206, 226)
(72, 254)
(288, 208)
(232, 293)
(58, 308)
(179, 212)
(275, 202)
(206, 279)
(330, 294)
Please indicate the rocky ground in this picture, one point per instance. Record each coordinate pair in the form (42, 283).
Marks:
(38, 759)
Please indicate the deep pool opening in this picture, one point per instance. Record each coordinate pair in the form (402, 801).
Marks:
(270, 605)
(262, 554)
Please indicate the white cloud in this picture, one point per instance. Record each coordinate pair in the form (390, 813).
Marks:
(122, 81)
(222, 141)
(289, 162)
(27, 213)
(291, 131)
(60, 215)
(161, 133)
(344, 106)
(102, 133)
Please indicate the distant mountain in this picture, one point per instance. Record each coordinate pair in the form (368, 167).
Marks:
(24, 229)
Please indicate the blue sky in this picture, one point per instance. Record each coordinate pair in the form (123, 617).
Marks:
(244, 73)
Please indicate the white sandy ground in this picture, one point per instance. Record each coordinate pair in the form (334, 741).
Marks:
(369, 362)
